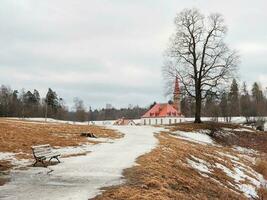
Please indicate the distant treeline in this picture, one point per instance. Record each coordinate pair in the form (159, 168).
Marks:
(14, 103)
(237, 101)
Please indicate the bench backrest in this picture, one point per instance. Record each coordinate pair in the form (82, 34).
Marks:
(41, 150)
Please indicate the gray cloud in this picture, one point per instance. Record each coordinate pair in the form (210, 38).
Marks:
(111, 51)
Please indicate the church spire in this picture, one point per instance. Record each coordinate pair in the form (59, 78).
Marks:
(176, 87)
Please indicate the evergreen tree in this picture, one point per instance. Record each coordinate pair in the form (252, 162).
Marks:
(245, 103)
(258, 100)
(36, 96)
(52, 103)
(233, 98)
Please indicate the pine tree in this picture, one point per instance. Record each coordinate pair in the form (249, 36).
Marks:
(245, 103)
(233, 98)
(36, 96)
(258, 100)
(52, 103)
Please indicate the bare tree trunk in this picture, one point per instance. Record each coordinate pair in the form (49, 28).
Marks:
(198, 109)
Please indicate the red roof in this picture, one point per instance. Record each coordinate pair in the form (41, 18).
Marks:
(162, 110)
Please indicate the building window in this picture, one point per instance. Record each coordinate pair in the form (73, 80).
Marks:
(144, 122)
(170, 121)
(175, 121)
(156, 121)
(149, 121)
(161, 121)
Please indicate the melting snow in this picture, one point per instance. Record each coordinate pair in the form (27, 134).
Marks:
(82, 177)
(12, 158)
(200, 165)
(239, 130)
(197, 137)
(245, 150)
(240, 173)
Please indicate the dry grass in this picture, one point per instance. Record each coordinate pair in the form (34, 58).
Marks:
(5, 166)
(206, 125)
(252, 140)
(261, 167)
(165, 174)
(19, 136)
(262, 193)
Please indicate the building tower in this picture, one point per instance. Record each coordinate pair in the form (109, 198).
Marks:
(176, 96)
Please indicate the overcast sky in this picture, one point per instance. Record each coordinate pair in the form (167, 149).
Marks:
(111, 51)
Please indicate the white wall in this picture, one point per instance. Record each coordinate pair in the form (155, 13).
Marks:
(162, 121)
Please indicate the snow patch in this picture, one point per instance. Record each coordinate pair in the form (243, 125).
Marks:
(246, 180)
(239, 130)
(82, 177)
(228, 155)
(199, 164)
(242, 173)
(13, 160)
(197, 137)
(245, 150)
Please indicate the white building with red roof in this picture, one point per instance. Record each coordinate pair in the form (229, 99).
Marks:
(165, 113)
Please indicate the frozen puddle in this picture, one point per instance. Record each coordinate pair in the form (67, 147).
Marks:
(82, 177)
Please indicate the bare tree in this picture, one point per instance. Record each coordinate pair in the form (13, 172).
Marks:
(198, 55)
(80, 113)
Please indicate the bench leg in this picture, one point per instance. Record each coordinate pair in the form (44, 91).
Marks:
(58, 160)
(36, 161)
(43, 163)
(55, 158)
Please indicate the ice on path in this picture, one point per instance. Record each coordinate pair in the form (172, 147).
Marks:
(82, 177)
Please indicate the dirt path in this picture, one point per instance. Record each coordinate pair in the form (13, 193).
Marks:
(82, 177)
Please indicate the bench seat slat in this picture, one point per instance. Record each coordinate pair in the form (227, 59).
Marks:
(42, 150)
(48, 155)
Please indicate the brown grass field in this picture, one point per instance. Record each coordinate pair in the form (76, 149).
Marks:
(18, 136)
(164, 174)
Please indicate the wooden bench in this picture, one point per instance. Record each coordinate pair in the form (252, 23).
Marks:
(44, 152)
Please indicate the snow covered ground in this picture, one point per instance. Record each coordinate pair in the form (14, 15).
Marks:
(82, 177)
(239, 174)
(198, 137)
